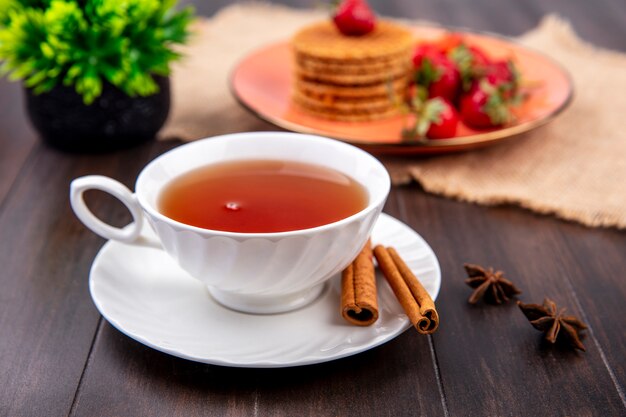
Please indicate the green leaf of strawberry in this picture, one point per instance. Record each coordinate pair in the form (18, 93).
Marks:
(427, 73)
(471, 62)
(435, 118)
(485, 106)
(436, 72)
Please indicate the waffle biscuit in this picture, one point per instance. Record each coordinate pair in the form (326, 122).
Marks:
(329, 93)
(350, 78)
(372, 104)
(313, 88)
(323, 41)
(383, 59)
(353, 79)
(326, 67)
(361, 116)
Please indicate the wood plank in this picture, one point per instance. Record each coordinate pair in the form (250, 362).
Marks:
(147, 382)
(16, 137)
(590, 20)
(597, 282)
(47, 318)
(492, 361)
(127, 378)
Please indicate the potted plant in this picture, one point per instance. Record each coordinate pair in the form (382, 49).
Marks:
(95, 72)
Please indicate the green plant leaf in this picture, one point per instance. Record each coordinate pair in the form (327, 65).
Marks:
(84, 43)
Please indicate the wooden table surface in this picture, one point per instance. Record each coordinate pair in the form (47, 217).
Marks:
(59, 357)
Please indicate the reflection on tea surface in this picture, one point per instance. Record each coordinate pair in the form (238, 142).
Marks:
(261, 196)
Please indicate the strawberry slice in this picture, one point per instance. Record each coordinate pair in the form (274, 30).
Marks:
(354, 18)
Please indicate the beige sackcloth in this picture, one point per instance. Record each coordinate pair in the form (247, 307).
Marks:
(574, 167)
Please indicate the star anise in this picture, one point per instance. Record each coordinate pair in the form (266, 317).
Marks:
(547, 319)
(490, 285)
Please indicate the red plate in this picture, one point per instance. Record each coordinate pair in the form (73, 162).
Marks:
(262, 82)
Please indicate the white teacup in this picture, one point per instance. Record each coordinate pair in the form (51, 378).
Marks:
(250, 272)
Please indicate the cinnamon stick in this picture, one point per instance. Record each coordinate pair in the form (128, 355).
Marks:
(359, 303)
(413, 297)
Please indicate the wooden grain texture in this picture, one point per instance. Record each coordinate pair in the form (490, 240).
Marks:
(126, 378)
(47, 320)
(16, 136)
(59, 358)
(600, 22)
(513, 18)
(505, 367)
(603, 276)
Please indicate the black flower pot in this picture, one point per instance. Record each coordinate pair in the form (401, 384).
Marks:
(113, 121)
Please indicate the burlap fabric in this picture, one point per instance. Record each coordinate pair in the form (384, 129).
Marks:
(574, 167)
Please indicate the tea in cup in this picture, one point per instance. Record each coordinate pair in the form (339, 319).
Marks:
(263, 219)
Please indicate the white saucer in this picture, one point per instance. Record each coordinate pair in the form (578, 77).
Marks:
(144, 294)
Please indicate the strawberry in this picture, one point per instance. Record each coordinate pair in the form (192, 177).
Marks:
(448, 83)
(484, 106)
(443, 119)
(425, 57)
(471, 62)
(435, 72)
(479, 57)
(435, 118)
(425, 51)
(504, 75)
(500, 72)
(354, 18)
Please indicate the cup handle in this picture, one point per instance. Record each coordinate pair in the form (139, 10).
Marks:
(128, 234)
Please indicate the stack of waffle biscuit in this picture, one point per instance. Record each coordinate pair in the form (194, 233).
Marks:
(351, 78)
